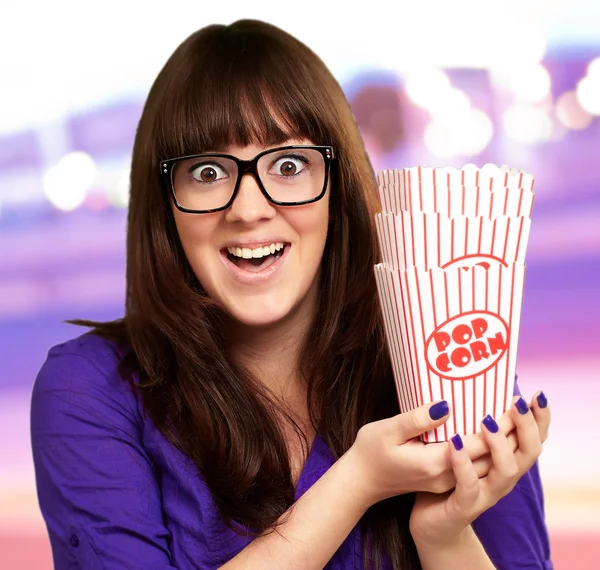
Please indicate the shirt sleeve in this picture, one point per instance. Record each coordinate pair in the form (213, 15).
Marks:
(96, 486)
(513, 532)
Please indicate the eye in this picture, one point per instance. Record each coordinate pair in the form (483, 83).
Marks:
(208, 172)
(288, 166)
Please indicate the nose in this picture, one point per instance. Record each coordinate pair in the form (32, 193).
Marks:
(250, 205)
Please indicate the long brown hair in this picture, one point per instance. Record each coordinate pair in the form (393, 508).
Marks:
(229, 85)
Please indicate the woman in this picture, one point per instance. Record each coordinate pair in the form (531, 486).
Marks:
(243, 413)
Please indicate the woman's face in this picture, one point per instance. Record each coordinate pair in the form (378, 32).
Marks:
(261, 290)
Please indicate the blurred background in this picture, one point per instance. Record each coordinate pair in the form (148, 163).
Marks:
(432, 83)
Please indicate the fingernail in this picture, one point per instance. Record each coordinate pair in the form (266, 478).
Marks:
(457, 442)
(490, 423)
(522, 406)
(438, 410)
(542, 400)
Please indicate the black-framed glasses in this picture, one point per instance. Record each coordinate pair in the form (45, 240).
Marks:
(287, 176)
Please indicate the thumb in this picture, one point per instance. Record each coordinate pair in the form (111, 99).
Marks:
(415, 422)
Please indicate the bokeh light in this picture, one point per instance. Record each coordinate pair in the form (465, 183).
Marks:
(466, 135)
(523, 46)
(570, 113)
(451, 102)
(531, 84)
(594, 67)
(588, 94)
(67, 183)
(120, 192)
(427, 88)
(527, 124)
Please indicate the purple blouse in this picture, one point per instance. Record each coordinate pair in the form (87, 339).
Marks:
(115, 494)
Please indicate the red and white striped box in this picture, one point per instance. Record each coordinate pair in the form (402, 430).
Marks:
(430, 240)
(469, 191)
(453, 243)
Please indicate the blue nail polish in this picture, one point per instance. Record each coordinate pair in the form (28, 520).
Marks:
(438, 410)
(522, 406)
(542, 400)
(490, 423)
(457, 442)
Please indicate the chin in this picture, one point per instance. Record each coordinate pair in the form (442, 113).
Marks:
(257, 314)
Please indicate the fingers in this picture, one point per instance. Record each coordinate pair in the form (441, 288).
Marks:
(415, 422)
(505, 469)
(477, 446)
(530, 445)
(465, 498)
(541, 412)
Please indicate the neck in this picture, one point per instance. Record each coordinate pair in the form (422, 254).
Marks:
(272, 352)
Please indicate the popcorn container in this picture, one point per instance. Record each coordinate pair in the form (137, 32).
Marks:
(451, 287)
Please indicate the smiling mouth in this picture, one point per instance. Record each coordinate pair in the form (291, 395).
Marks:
(255, 264)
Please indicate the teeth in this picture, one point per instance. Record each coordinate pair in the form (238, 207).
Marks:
(248, 253)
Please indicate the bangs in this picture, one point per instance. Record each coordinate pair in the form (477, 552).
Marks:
(240, 90)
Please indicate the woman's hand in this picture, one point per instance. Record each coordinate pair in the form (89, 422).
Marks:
(392, 460)
(438, 521)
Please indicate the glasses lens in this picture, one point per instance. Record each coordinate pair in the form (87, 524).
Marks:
(204, 183)
(292, 175)
(289, 176)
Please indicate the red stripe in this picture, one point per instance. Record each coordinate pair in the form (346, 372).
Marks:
(491, 204)
(520, 202)
(531, 208)
(386, 313)
(487, 277)
(396, 244)
(508, 340)
(411, 380)
(454, 408)
(404, 243)
(493, 235)
(412, 236)
(398, 339)
(474, 377)
(452, 239)
(423, 329)
(403, 340)
(434, 192)
(451, 383)
(480, 234)
(395, 338)
(435, 324)
(464, 397)
(506, 240)
(460, 300)
(519, 238)
(420, 189)
(425, 238)
(496, 367)
(466, 234)
(505, 200)
(439, 245)
(462, 179)
(409, 190)
(477, 191)
(414, 340)
(448, 186)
